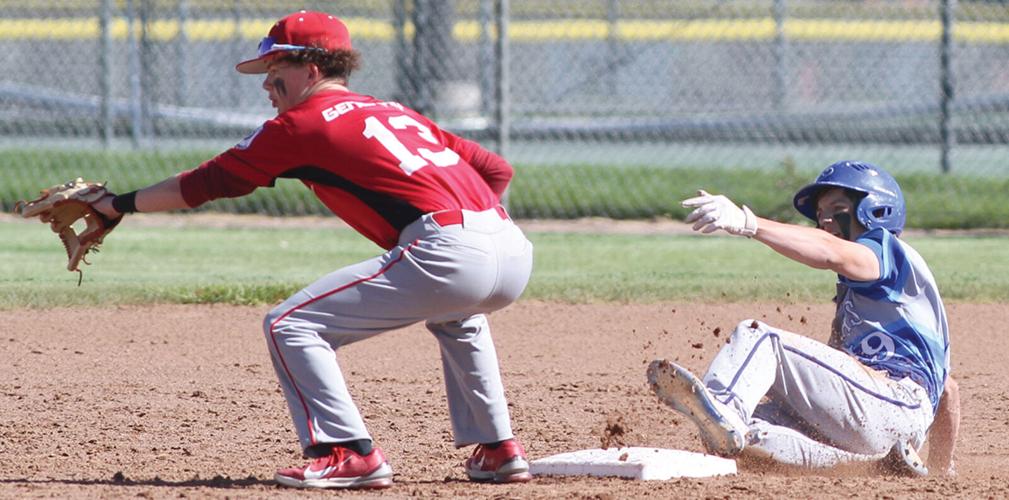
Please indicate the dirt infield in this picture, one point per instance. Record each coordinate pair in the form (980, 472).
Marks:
(181, 401)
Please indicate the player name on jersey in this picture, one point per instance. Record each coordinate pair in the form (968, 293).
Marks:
(342, 108)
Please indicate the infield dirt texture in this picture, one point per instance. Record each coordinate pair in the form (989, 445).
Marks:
(175, 401)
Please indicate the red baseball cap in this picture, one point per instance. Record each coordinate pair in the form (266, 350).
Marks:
(299, 31)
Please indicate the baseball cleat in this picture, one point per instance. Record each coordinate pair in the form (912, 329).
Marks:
(343, 468)
(503, 464)
(682, 391)
(903, 460)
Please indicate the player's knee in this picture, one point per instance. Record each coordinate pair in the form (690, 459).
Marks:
(748, 329)
(461, 329)
(270, 321)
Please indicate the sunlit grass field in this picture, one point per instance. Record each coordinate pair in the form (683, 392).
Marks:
(258, 265)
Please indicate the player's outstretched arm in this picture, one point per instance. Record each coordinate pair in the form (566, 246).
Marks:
(945, 428)
(819, 249)
(813, 247)
(163, 196)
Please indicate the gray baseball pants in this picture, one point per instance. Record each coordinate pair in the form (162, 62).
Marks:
(448, 274)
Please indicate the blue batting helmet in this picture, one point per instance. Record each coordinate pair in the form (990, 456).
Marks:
(882, 206)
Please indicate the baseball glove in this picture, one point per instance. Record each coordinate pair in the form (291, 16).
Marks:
(64, 205)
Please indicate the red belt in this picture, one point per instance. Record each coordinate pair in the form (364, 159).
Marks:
(453, 217)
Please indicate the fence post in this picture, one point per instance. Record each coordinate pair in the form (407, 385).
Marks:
(107, 128)
(780, 56)
(946, 77)
(503, 114)
(133, 63)
(238, 53)
(146, 69)
(182, 55)
(422, 57)
(613, 43)
(486, 61)
(404, 68)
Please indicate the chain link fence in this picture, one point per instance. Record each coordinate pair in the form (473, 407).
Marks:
(590, 99)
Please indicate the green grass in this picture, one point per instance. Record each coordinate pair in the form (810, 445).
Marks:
(934, 200)
(145, 264)
(584, 268)
(185, 265)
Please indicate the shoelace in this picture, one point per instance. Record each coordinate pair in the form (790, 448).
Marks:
(478, 456)
(335, 458)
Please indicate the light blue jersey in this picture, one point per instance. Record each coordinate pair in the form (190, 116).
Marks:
(897, 323)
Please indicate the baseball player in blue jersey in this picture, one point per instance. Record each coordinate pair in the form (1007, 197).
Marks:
(882, 380)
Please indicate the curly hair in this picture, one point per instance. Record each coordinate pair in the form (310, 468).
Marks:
(337, 64)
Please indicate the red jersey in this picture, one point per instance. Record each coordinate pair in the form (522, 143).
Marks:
(377, 165)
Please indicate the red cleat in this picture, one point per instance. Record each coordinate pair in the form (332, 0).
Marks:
(504, 464)
(342, 468)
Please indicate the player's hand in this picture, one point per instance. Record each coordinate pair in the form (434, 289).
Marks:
(713, 212)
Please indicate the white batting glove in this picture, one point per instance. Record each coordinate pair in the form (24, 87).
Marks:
(713, 212)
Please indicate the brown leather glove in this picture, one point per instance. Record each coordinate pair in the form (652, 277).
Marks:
(62, 206)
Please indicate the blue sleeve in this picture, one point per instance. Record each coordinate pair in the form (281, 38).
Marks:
(891, 260)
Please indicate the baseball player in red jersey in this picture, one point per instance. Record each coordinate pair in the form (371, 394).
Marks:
(429, 198)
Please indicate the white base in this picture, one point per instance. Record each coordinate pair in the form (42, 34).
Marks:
(637, 463)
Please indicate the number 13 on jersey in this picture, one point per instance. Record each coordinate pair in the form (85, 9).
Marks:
(406, 128)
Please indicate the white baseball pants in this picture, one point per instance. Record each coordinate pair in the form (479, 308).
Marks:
(810, 405)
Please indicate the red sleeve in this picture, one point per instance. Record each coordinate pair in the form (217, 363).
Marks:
(210, 181)
(255, 161)
(494, 170)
